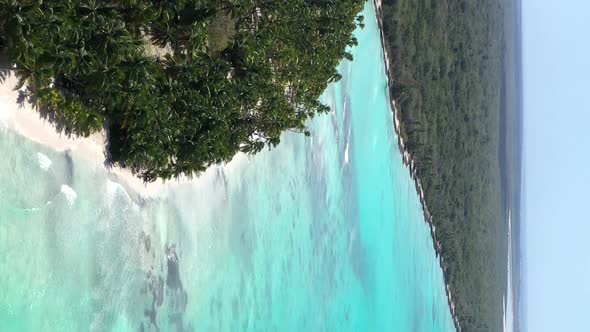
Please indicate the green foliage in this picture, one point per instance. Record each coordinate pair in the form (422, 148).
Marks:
(221, 31)
(236, 75)
(446, 58)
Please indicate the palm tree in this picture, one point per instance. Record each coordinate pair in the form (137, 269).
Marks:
(84, 64)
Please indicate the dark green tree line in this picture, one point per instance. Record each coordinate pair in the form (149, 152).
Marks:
(446, 58)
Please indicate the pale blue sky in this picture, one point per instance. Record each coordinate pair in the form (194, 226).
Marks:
(556, 233)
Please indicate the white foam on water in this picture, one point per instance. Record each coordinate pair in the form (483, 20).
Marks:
(35, 209)
(69, 194)
(44, 161)
(346, 152)
(347, 145)
(112, 188)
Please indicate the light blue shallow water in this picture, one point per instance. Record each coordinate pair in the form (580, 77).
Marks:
(320, 234)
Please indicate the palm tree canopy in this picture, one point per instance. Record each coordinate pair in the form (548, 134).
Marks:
(235, 74)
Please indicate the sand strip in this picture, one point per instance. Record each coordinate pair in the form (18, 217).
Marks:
(27, 122)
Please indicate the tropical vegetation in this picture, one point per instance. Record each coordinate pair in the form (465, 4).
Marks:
(446, 59)
(177, 85)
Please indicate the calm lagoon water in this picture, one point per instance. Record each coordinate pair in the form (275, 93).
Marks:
(320, 234)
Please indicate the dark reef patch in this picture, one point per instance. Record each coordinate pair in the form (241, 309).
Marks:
(69, 166)
(168, 292)
(145, 238)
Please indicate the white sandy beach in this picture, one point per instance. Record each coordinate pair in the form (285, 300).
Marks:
(26, 121)
(508, 298)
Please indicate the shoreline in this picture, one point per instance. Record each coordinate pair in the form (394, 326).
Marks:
(409, 162)
(508, 309)
(27, 122)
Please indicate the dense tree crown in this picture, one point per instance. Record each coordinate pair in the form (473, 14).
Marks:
(178, 85)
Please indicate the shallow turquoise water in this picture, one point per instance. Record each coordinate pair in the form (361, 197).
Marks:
(320, 234)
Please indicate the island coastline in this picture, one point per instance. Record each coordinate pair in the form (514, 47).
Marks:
(409, 163)
(25, 121)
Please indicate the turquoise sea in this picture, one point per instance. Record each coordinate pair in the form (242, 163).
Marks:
(321, 234)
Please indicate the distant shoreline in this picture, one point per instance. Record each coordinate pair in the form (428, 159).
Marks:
(508, 316)
(409, 162)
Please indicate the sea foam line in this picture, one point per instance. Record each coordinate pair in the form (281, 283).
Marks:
(44, 161)
(69, 194)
